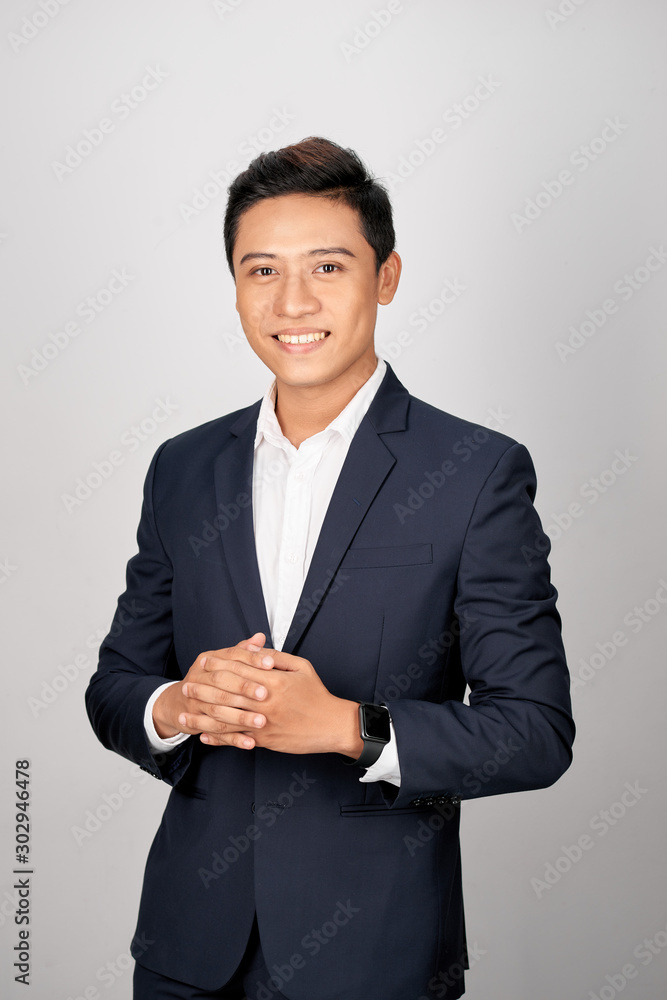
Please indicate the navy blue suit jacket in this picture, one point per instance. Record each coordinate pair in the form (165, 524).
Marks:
(430, 571)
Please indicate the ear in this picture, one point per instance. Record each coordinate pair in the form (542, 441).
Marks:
(388, 277)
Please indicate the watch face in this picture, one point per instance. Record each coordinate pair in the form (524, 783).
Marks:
(376, 723)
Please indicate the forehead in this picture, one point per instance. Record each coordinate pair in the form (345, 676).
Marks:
(298, 223)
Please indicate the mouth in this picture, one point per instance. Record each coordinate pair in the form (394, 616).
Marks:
(295, 337)
(295, 341)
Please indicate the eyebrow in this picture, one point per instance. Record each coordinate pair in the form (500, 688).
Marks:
(311, 253)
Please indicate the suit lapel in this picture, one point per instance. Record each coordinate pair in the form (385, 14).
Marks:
(366, 467)
(233, 480)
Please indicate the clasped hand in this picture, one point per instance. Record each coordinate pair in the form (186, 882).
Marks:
(248, 696)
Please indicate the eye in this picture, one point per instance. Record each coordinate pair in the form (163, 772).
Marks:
(264, 272)
(330, 268)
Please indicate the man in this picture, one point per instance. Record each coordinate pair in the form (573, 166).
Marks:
(318, 577)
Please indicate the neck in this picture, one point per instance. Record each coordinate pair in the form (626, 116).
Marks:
(303, 411)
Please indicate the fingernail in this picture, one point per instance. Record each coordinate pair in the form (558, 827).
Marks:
(186, 691)
(258, 720)
(204, 739)
(254, 649)
(249, 744)
(182, 720)
(260, 692)
(202, 662)
(267, 661)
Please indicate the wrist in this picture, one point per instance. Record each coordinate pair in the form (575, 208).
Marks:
(161, 715)
(347, 735)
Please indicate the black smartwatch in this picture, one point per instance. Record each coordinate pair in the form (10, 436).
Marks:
(375, 731)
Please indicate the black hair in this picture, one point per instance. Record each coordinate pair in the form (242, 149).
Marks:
(314, 166)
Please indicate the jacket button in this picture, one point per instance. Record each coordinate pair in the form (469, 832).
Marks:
(417, 802)
(252, 807)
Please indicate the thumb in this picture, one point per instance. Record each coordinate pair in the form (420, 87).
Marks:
(287, 661)
(254, 643)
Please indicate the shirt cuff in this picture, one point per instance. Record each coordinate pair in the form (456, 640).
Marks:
(386, 767)
(157, 744)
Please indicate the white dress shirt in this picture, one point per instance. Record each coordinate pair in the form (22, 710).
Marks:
(291, 491)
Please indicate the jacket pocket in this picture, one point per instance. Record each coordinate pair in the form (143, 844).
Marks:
(386, 556)
(371, 810)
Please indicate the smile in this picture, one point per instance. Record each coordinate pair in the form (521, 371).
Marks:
(302, 338)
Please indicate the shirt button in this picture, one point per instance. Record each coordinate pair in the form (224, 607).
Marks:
(292, 557)
(299, 477)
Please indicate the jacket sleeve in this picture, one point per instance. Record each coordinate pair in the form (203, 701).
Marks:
(517, 731)
(137, 656)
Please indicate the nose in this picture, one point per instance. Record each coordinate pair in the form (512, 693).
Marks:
(294, 298)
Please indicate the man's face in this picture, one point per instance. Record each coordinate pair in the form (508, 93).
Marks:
(304, 270)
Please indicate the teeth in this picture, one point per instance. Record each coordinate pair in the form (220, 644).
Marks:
(302, 338)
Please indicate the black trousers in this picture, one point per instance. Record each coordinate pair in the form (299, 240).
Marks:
(251, 981)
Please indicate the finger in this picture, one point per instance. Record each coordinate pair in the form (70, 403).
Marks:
(240, 740)
(238, 657)
(229, 689)
(233, 721)
(241, 662)
(230, 715)
(254, 643)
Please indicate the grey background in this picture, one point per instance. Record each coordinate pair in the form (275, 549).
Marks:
(491, 356)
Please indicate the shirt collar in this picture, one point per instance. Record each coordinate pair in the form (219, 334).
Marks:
(345, 424)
